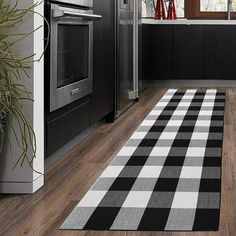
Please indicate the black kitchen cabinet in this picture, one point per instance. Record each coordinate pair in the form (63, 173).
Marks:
(162, 49)
(103, 94)
(188, 52)
(66, 125)
(146, 52)
(220, 52)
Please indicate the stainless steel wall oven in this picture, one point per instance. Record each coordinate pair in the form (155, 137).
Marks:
(71, 51)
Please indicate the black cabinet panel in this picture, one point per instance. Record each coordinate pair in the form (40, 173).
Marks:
(188, 52)
(161, 49)
(146, 51)
(220, 52)
(67, 126)
(104, 60)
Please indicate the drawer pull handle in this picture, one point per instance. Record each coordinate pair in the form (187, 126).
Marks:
(75, 91)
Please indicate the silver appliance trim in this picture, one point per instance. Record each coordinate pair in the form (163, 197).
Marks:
(84, 3)
(60, 13)
(62, 96)
(125, 5)
(128, 28)
(135, 48)
(133, 94)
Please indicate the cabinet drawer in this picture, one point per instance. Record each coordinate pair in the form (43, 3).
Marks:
(64, 128)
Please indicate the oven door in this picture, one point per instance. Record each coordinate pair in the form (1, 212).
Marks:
(71, 55)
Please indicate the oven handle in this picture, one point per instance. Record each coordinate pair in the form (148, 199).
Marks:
(60, 13)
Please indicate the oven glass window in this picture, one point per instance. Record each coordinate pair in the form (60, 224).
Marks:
(72, 54)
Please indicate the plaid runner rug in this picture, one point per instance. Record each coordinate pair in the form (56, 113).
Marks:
(168, 175)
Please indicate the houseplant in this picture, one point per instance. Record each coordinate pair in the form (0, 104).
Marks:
(13, 93)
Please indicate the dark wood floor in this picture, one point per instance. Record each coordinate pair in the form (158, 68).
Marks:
(70, 178)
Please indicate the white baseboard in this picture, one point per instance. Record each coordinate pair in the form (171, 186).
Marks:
(21, 187)
(193, 83)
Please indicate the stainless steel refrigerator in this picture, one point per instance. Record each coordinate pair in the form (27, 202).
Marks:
(128, 53)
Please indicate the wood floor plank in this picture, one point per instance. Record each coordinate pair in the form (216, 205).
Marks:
(71, 177)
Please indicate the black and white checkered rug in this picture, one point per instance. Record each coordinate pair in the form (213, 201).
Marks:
(168, 175)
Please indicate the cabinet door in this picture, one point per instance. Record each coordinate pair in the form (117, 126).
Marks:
(104, 64)
(161, 52)
(146, 51)
(62, 129)
(188, 52)
(220, 52)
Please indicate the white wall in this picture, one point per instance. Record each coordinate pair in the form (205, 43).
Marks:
(24, 179)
